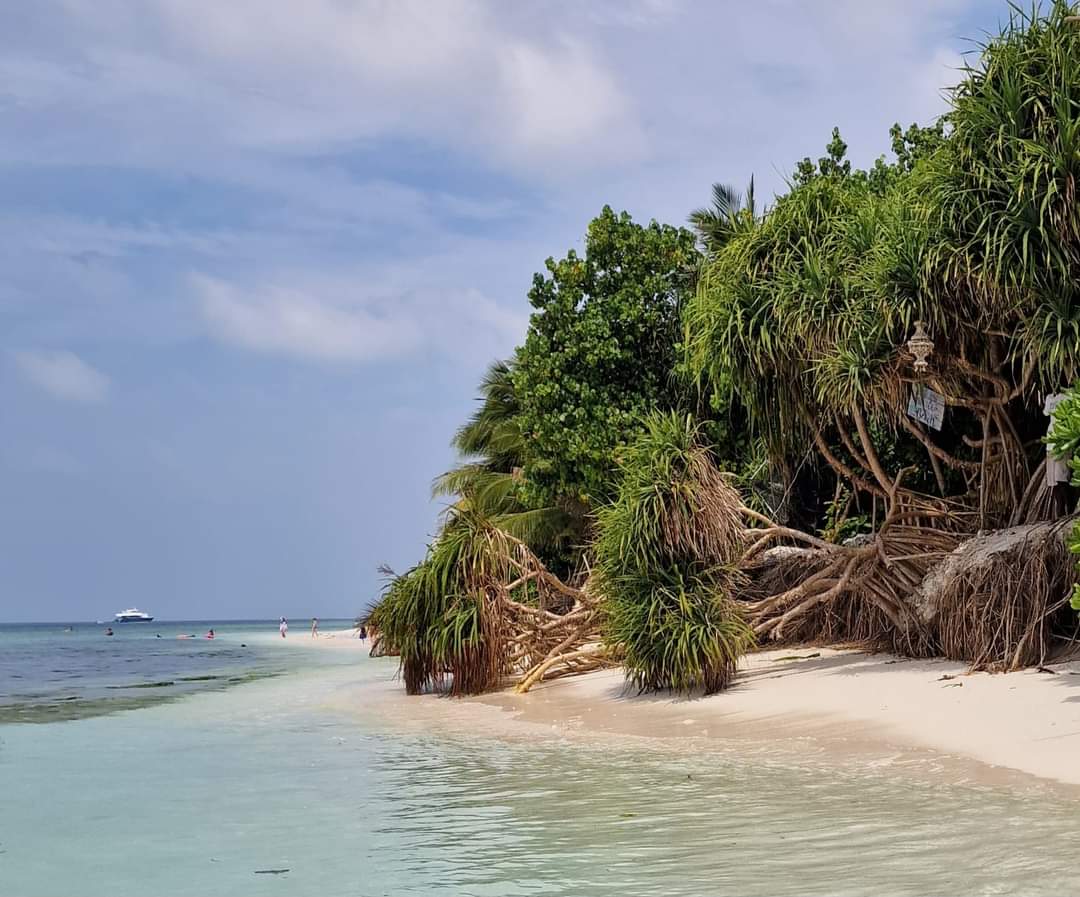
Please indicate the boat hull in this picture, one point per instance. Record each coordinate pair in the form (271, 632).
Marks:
(133, 620)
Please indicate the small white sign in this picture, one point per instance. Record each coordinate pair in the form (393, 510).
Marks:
(1057, 469)
(927, 406)
(1051, 403)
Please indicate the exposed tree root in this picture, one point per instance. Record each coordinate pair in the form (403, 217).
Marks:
(996, 600)
(921, 585)
(855, 591)
(1001, 598)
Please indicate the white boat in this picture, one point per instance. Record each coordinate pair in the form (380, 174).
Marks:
(133, 615)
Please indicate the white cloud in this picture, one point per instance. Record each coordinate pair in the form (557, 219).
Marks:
(656, 96)
(63, 375)
(288, 322)
(269, 76)
(319, 318)
(268, 101)
(561, 106)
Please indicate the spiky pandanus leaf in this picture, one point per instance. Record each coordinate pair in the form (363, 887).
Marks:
(438, 616)
(665, 563)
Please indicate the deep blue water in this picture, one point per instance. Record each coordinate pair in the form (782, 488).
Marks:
(57, 671)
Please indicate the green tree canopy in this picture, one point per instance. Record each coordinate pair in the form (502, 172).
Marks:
(974, 230)
(600, 353)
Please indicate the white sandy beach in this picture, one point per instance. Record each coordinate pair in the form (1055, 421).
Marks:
(834, 703)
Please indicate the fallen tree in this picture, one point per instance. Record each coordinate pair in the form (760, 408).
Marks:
(481, 611)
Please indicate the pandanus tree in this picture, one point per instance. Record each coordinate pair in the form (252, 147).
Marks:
(481, 610)
(666, 562)
(812, 313)
(482, 607)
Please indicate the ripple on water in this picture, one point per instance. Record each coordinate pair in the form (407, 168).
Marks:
(203, 792)
(574, 821)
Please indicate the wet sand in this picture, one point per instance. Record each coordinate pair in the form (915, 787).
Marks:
(834, 705)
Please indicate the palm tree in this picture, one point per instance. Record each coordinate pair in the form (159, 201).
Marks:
(487, 481)
(730, 213)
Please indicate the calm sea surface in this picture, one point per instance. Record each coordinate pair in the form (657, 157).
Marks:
(214, 786)
(60, 671)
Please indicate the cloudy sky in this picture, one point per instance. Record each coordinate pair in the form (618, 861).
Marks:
(255, 255)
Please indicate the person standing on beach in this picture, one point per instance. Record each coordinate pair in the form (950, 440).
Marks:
(283, 627)
(314, 627)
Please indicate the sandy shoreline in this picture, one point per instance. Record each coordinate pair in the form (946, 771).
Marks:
(831, 703)
(329, 638)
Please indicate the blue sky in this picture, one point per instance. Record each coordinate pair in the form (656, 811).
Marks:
(255, 255)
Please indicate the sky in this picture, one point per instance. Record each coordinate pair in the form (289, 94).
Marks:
(255, 255)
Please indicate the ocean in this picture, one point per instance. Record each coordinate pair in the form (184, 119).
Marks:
(277, 778)
(64, 671)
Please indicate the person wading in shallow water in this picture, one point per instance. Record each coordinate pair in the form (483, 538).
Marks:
(314, 627)
(283, 627)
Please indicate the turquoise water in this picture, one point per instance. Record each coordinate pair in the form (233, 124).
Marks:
(206, 793)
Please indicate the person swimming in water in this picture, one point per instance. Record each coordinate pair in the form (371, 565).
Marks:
(108, 630)
(210, 634)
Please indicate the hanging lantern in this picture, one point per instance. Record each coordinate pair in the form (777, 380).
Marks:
(920, 345)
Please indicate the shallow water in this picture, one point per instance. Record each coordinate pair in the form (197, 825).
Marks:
(56, 671)
(207, 794)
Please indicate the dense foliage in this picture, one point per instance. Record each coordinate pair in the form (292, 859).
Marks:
(665, 562)
(779, 353)
(1006, 187)
(600, 353)
(974, 230)
(1063, 441)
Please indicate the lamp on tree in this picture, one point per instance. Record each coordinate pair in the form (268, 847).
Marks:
(920, 345)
